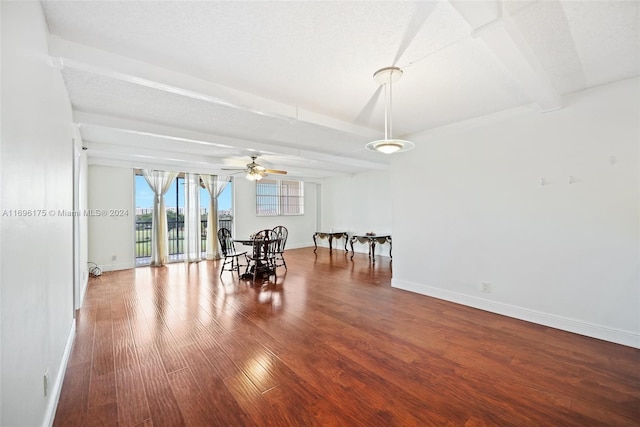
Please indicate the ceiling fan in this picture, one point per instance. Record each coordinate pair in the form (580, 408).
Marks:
(256, 172)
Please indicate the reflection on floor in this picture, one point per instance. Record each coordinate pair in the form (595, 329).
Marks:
(328, 342)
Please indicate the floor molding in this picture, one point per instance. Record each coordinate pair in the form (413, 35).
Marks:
(50, 413)
(592, 330)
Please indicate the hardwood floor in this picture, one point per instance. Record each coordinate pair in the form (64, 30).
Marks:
(330, 343)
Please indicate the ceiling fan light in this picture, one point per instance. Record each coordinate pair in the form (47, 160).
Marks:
(389, 146)
(254, 176)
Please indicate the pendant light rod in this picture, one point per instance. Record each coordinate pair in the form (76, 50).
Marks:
(388, 107)
(387, 101)
(386, 76)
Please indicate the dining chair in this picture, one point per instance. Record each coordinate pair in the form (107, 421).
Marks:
(231, 256)
(282, 234)
(261, 260)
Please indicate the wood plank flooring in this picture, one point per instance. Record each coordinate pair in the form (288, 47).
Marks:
(329, 343)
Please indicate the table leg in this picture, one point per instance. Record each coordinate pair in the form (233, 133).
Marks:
(373, 251)
(314, 243)
(346, 238)
(352, 251)
(330, 243)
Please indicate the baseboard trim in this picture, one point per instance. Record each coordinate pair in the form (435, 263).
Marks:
(50, 413)
(117, 266)
(592, 330)
(298, 246)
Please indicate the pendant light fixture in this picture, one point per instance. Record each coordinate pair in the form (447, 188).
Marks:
(387, 76)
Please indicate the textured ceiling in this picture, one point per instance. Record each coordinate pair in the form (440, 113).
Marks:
(203, 85)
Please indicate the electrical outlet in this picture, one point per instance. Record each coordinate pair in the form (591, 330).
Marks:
(113, 257)
(485, 287)
(45, 381)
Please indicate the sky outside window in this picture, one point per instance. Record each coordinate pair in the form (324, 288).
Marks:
(144, 196)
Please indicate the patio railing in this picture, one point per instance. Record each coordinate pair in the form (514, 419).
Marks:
(175, 234)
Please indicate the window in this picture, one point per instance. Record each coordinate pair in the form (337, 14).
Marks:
(276, 197)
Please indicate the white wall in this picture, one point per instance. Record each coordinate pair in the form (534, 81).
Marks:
(81, 242)
(84, 225)
(246, 222)
(564, 253)
(37, 253)
(358, 204)
(111, 234)
(112, 187)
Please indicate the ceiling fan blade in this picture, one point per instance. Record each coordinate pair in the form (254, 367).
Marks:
(255, 168)
(236, 172)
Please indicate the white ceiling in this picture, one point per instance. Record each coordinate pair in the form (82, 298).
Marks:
(202, 85)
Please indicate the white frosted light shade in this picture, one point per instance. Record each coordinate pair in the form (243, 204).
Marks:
(389, 146)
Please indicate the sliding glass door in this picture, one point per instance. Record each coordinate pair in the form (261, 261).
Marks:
(174, 202)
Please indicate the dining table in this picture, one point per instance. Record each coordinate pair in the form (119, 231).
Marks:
(245, 242)
(263, 267)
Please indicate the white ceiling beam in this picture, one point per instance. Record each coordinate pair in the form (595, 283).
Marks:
(142, 164)
(114, 159)
(67, 54)
(152, 142)
(493, 25)
(102, 154)
(95, 147)
(145, 129)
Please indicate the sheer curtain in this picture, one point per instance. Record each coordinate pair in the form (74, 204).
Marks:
(214, 185)
(159, 181)
(192, 227)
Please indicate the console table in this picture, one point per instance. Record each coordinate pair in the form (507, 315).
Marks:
(331, 235)
(371, 240)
